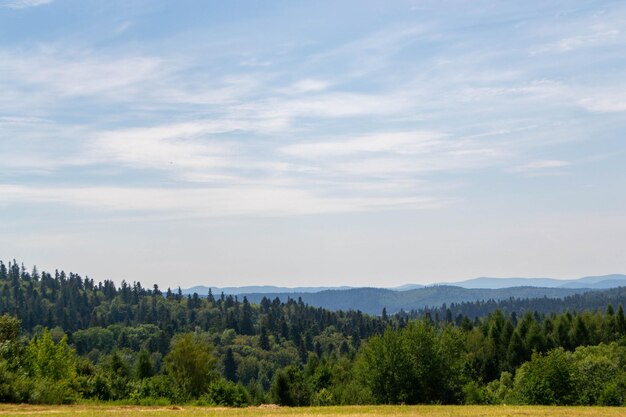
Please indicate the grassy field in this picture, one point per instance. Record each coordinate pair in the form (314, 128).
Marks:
(356, 411)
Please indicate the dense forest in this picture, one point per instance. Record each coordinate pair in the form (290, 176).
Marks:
(373, 300)
(65, 338)
(589, 300)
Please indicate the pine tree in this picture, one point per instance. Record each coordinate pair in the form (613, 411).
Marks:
(264, 341)
(230, 366)
(516, 354)
(144, 368)
(581, 333)
(246, 327)
(621, 320)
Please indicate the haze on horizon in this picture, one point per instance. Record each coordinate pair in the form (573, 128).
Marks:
(313, 143)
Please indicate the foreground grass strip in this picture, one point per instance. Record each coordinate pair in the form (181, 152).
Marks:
(352, 411)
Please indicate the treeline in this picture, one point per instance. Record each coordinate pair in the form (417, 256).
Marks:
(591, 300)
(142, 346)
(426, 364)
(73, 303)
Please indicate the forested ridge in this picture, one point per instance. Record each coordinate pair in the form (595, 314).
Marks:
(590, 300)
(65, 338)
(373, 300)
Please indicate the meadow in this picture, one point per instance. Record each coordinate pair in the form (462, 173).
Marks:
(270, 411)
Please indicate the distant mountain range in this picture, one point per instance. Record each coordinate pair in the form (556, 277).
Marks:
(592, 282)
(416, 296)
(373, 300)
(257, 289)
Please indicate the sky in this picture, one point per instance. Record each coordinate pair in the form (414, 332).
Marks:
(301, 143)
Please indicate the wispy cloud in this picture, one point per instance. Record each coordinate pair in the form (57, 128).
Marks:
(23, 4)
(397, 153)
(391, 142)
(207, 202)
(541, 166)
(372, 52)
(605, 101)
(218, 121)
(333, 104)
(308, 85)
(185, 149)
(596, 35)
(79, 73)
(327, 120)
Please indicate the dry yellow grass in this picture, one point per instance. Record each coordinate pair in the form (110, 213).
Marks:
(356, 411)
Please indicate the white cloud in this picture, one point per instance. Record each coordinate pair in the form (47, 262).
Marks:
(539, 89)
(397, 153)
(122, 27)
(193, 151)
(260, 127)
(147, 151)
(78, 73)
(332, 105)
(605, 102)
(598, 34)
(541, 165)
(372, 52)
(392, 142)
(207, 202)
(308, 85)
(23, 4)
(10, 121)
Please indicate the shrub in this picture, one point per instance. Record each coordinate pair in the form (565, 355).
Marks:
(159, 386)
(417, 364)
(546, 379)
(289, 388)
(14, 388)
(45, 391)
(474, 393)
(225, 393)
(501, 391)
(323, 397)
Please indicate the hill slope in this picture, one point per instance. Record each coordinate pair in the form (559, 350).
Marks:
(592, 282)
(599, 282)
(373, 300)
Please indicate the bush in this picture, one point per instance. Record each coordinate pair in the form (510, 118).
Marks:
(100, 387)
(474, 393)
(289, 388)
(599, 374)
(414, 365)
(611, 395)
(190, 363)
(45, 391)
(159, 387)
(594, 374)
(546, 379)
(614, 393)
(501, 391)
(323, 397)
(14, 388)
(225, 393)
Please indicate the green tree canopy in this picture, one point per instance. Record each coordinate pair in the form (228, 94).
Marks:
(190, 363)
(418, 364)
(49, 360)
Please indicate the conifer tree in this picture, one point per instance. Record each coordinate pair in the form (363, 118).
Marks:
(230, 366)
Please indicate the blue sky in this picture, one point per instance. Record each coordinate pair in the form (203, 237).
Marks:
(313, 143)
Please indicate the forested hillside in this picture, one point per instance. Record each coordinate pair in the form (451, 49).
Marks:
(373, 300)
(590, 300)
(65, 338)
(72, 302)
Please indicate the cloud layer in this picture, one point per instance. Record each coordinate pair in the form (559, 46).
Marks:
(200, 114)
